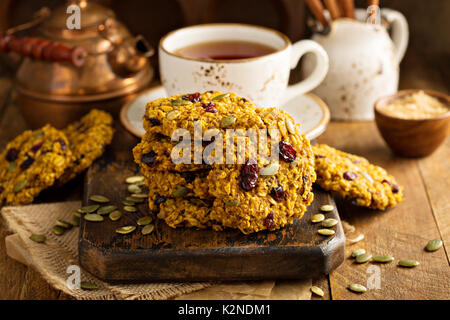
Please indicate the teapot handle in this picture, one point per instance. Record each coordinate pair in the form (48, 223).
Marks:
(400, 31)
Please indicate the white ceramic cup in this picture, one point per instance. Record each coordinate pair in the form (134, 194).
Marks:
(262, 79)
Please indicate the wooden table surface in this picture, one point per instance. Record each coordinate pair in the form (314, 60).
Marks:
(402, 231)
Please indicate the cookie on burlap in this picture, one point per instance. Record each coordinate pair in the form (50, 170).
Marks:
(355, 179)
(87, 138)
(31, 163)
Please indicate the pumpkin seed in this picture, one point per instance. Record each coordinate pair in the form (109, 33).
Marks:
(115, 215)
(86, 285)
(93, 217)
(129, 208)
(172, 114)
(231, 203)
(294, 163)
(39, 238)
(99, 198)
(433, 245)
(144, 221)
(126, 229)
(290, 126)
(58, 230)
(317, 291)
(180, 192)
(89, 209)
(220, 96)
(270, 170)
(408, 263)
(383, 259)
(330, 222)
(134, 179)
(317, 218)
(76, 214)
(326, 232)
(20, 185)
(128, 203)
(148, 229)
(326, 208)
(227, 121)
(180, 102)
(140, 195)
(366, 175)
(75, 221)
(132, 188)
(358, 288)
(363, 258)
(358, 252)
(12, 166)
(64, 224)
(136, 199)
(106, 210)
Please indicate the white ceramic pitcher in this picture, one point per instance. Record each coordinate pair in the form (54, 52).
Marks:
(363, 63)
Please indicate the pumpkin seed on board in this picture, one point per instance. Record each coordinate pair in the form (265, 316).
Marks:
(132, 188)
(139, 196)
(106, 210)
(93, 217)
(220, 97)
(136, 199)
(89, 209)
(86, 285)
(128, 203)
(363, 258)
(317, 218)
(326, 208)
(383, 259)
(326, 232)
(148, 229)
(134, 179)
(115, 215)
(358, 252)
(433, 245)
(125, 229)
(144, 221)
(358, 288)
(58, 230)
(99, 198)
(39, 238)
(330, 222)
(76, 214)
(64, 224)
(129, 208)
(317, 291)
(270, 169)
(75, 221)
(408, 263)
(20, 185)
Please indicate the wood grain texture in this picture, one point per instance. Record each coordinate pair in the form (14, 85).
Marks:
(402, 231)
(195, 255)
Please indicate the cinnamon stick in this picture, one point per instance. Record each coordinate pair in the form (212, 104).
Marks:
(333, 8)
(373, 3)
(373, 14)
(316, 8)
(348, 8)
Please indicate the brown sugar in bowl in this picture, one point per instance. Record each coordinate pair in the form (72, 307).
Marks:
(412, 137)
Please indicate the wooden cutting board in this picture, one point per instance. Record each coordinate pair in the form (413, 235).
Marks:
(294, 252)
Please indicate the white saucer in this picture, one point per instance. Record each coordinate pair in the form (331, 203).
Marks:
(308, 110)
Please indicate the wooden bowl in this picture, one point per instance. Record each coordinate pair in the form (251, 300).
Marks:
(411, 137)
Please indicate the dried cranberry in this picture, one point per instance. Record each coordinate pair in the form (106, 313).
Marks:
(36, 147)
(287, 151)
(193, 97)
(249, 175)
(153, 121)
(12, 154)
(395, 188)
(268, 221)
(278, 193)
(210, 107)
(160, 199)
(62, 143)
(27, 163)
(350, 176)
(149, 158)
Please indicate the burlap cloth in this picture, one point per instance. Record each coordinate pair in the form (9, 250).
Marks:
(52, 258)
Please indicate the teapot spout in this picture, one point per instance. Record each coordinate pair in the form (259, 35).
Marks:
(143, 47)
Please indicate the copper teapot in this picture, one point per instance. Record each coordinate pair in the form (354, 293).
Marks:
(64, 73)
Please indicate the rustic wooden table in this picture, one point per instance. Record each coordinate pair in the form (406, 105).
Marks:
(402, 232)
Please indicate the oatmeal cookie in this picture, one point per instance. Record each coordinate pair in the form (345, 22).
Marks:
(31, 163)
(356, 179)
(88, 138)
